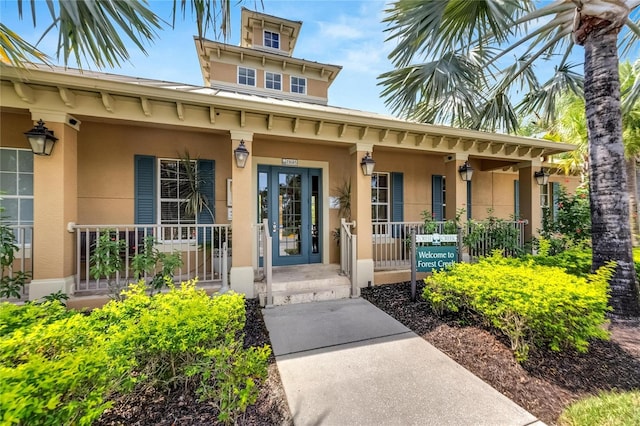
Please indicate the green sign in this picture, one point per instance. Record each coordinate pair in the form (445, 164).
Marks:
(432, 258)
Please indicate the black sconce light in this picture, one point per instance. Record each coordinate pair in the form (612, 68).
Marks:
(41, 139)
(367, 164)
(466, 171)
(542, 177)
(241, 153)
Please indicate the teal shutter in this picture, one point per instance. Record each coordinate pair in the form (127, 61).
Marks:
(145, 189)
(206, 171)
(437, 201)
(556, 193)
(468, 200)
(397, 201)
(516, 199)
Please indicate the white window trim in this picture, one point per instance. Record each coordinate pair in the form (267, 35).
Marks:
(20, 197)
(299, 78)
(264, 39)
(388, 204)
(265, 81)
(255, 77)
(159, 206)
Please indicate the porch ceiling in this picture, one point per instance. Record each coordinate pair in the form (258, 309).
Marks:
(113, 97)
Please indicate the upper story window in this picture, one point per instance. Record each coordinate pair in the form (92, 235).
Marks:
(246, 76)
(298, 85)
(273, 81)
(16, 188)
(272, 40)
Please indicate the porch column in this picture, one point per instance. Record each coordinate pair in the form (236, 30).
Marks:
(456, 188)
(529, 194)
(241, 278)
(361, 213)
(55, 204)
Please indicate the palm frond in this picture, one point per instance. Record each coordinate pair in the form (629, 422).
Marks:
(543, 101)
(452, 80)
(91, 29)
(14, 50)
(434, 28)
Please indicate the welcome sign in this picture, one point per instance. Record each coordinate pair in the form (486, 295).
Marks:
(429, 259)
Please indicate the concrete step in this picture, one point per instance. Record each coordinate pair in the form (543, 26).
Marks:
(290, 297)
(280, 285)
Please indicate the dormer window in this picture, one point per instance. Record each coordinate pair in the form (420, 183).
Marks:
(273, 81)
(298, 85)
(271, 40)
(246, 76)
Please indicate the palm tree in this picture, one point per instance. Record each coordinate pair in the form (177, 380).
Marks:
(95, 30)
(451, 66)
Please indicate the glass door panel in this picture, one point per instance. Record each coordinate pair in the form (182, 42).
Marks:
(289, 214)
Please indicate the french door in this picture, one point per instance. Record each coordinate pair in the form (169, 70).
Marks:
(289, 197)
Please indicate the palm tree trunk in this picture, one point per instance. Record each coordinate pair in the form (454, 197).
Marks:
(632, 189)
(611, 233)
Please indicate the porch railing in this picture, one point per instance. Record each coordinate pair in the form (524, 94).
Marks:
(485, 236)
(348, 255)
(391, 240)
(200, 248)
(267, 261)
(23, 258)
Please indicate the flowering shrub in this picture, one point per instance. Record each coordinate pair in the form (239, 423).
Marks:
(62, 367)
(570, 226)
(534, 306)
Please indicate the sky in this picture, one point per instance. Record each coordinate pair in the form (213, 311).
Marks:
(346, 32)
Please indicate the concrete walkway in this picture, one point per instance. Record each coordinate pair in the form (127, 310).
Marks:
(346, 362)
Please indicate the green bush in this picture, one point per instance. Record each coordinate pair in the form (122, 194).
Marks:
(608, 408)
(570, 224)
(54, 369)
(493, 233)
(535, 306)
(575, 261)
(62, 367)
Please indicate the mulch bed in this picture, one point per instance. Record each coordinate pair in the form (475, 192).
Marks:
(547, 382)
(177, 408)
(544, 385)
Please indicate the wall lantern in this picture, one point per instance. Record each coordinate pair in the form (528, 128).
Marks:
(466, 171)
(367, 164)
(241, 153)
(41, 139)
(542, 177)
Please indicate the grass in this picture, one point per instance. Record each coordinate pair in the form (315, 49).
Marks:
(606, 409)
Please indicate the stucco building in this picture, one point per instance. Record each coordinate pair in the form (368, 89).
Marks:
(118, 160)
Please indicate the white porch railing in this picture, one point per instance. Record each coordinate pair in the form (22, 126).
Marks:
(267, 261)
(23, 258)
(391, 240)
(349, 255)
(200, 247)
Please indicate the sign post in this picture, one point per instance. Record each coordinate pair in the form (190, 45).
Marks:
(413, 264)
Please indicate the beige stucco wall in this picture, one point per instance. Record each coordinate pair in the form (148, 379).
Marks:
(317, 88)
(12, 128)
(106, 166)
(227, 73)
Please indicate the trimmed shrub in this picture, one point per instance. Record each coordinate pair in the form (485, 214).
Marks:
(607, 408)
(534, 306)
(62, 367)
